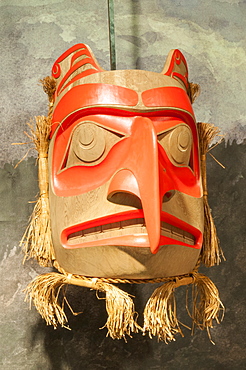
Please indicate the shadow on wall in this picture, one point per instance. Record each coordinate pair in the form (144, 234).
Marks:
(87, 347)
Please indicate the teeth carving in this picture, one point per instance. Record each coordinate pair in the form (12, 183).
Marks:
(121, 228)
(127, 227)
(176, 233)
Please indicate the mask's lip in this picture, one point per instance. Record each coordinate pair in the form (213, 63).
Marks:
(70, 235)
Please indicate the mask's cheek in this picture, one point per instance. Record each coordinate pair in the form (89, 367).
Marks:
(186, 208)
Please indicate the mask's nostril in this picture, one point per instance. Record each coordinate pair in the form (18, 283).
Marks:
(125, 199)
(168, 195)
(123, 189)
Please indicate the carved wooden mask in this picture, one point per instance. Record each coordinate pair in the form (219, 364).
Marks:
(125, 187)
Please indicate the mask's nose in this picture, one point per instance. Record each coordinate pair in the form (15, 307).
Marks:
(137, 183)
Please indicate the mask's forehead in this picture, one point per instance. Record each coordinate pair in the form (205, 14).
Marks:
(82, 84)
(137, 80)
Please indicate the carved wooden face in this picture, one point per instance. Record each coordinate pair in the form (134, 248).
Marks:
(125, 191)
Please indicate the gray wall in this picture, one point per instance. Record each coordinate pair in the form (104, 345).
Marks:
(211, 34)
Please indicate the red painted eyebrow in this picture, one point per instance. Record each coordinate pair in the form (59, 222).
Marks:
(89, 95)
(111, 96)
(169, 96)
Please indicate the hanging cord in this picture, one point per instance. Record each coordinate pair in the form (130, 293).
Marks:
(111, 34)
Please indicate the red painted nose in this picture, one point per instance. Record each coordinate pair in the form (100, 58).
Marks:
(140, 176)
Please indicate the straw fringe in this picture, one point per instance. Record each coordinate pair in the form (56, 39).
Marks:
(194, 91)
(44, 291)
(206, 304)
(211, 251)
(160, 314)
(37, 241)
(121, 312)
(49, 86)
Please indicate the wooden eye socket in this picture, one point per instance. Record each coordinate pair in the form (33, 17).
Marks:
(178, 143)
(88, 143)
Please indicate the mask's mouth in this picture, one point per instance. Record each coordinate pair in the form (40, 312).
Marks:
(127, 232)
(110, 230)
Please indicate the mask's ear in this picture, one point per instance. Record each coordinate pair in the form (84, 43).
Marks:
(176, 67)
(76, 63)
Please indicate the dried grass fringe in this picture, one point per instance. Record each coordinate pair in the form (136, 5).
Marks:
(206, 304)
(193, 91)
(121, 312)
(37, 241)
(49, 87)
(160, 314)
(45, 293)
(211, 251)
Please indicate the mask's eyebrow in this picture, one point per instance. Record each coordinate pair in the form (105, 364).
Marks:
(89, 96)
(170, 97)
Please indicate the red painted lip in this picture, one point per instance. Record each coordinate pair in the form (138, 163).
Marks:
(132, 229)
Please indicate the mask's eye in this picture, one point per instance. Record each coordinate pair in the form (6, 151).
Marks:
(177, 144)
(90, 144)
